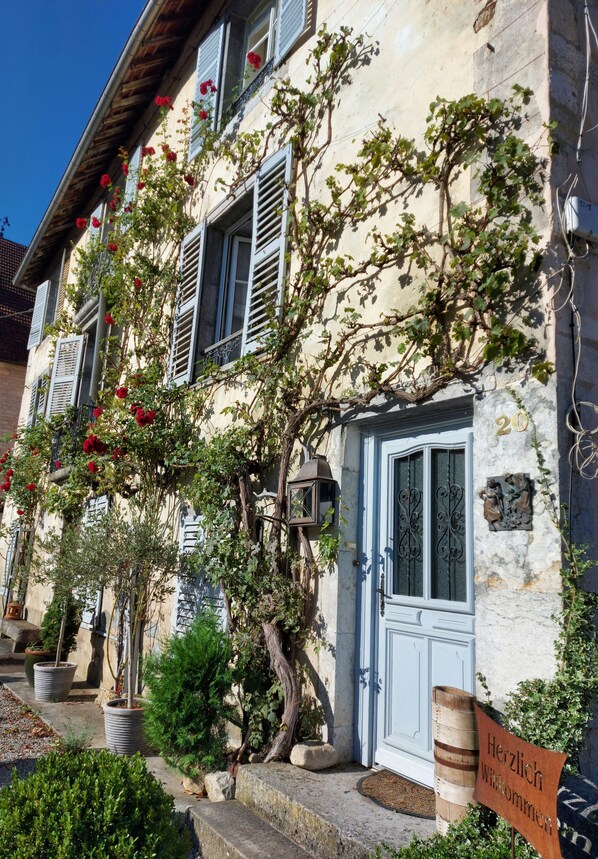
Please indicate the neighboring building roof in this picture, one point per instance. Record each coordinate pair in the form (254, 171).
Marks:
(14, 329)
(155, 43)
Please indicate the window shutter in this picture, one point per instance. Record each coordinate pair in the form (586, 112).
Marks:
(37, 399)
(64, 278)
(97, 213)
(292, 21)
(187, 308)
(94, 508)
(65, 374)
(38, 320)
(133, 176)
(270, 210)
(209, 62)
(193, 592)
(11, 553)
(32, 402)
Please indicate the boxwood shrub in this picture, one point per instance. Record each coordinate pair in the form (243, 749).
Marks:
(89, 805)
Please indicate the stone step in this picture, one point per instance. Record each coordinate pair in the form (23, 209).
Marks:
(323, 811)
(21, 632)
(229, 830)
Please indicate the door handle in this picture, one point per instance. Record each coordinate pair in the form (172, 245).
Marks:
(380, 591)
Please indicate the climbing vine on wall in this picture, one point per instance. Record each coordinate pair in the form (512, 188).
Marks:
(461, 293)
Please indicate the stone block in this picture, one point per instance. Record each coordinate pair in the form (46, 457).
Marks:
(21, 632)
(314, 756)
(219, 786)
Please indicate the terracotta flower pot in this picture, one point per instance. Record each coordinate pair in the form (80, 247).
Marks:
(53, 682)
(124, 728)
(14, 611)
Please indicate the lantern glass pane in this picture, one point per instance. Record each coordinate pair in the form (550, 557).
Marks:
(302, 502)
(326, 501)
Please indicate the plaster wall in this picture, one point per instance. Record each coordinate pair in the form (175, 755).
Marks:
(447, 48)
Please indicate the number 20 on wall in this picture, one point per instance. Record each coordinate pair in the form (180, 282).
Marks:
(518, 422)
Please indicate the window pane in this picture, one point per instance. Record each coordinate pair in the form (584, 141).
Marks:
(448, 550)
(240, 279)
(409, 526)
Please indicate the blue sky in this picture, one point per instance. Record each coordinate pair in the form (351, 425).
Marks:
(55, 57)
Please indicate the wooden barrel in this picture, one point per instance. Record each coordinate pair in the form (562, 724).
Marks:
(455, 754)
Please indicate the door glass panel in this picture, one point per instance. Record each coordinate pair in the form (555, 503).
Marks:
(448, 553)
(409, 525)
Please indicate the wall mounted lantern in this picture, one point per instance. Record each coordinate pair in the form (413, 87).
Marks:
(311, 494)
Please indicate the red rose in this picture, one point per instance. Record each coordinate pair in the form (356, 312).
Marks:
(148, 150)
(113, 247)
(112, 205)
(141, 186)
(150, 416)
(117, 452)
(189, 179)
(254, 60)
(126, 169)
(5, 486)
(108, 319)
(105, 180)
(31, 487)
(122, 392)
(92, 467)
(138, 283)
(128, 208)
(10, 472)
(93, 444)
(81, 223)
(20, 512)
(203, 114)
(3, 458)
(165, 147)
(171, 156)
(164, 101)
(133, 408)
(206, 86)
(95, 222)
(15, 435)
(98, 411)
(58, 464)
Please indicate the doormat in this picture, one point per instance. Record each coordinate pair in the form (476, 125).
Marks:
(398, 794)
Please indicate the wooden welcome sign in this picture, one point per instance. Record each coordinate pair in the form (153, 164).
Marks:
(519, 781)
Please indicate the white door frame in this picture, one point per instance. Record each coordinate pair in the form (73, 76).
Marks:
(367, 621)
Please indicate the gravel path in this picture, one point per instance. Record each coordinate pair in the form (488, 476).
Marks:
(23, 737)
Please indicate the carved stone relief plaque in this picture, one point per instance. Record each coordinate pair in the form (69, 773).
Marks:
(508, 502)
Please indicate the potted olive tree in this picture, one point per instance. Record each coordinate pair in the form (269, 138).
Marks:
(140, 559)
(64, 562)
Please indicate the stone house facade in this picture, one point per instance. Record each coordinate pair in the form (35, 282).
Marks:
(393, 625)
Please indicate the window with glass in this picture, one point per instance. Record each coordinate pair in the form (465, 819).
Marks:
(430, 529)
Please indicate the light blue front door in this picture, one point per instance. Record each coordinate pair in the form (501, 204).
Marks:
(421, 566)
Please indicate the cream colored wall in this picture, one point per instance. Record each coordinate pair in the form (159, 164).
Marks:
(422, 50)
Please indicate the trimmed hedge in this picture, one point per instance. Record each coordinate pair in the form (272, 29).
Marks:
(89, 805)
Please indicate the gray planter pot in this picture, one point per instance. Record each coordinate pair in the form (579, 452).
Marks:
(51, 682)
(124, 728)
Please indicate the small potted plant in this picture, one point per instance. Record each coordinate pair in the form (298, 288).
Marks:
(66, 565)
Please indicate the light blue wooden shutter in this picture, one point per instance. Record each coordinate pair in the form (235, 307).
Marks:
(292, 21)
(98, 213)
(11, 553)
(37, 398)
(209, 64)
(266, 273)
(94, 508)
(65, 374)
(187, 308)
(133, 176)
(193, 592)
(38, 320)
